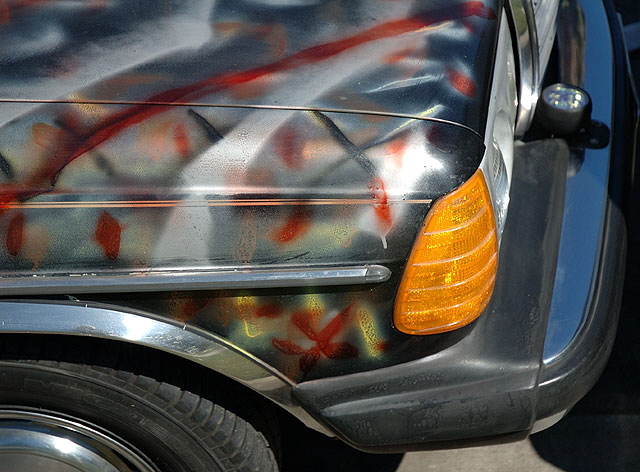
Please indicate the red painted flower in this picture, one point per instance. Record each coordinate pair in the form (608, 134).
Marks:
(323, 344)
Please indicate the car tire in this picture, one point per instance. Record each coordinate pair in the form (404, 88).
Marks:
(148, 424)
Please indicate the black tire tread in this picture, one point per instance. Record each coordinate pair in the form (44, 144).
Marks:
(236, 444)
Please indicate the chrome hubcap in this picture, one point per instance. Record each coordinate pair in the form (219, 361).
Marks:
(32, 441)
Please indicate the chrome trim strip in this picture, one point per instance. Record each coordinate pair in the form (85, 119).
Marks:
(585, 199)
(191, 279)
(571, 43)
(356, 111)
(188, 342)
(526, 38)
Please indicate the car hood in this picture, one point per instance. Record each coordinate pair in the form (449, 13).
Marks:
(425, 60)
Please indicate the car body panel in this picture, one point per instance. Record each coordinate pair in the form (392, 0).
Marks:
(194, 139)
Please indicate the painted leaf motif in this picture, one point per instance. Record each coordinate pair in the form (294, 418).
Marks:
(108, 233)
(301, 320)
(289, 147)
(461, 82)
(181, 141)
(295, 226)
(15, 234)
(335, 325)
(287, 347)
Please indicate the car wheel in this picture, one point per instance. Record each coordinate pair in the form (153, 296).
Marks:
(64, 416)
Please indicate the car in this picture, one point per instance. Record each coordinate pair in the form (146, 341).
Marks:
(401, 223)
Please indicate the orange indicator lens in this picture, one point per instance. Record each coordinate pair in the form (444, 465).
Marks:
(451, 272)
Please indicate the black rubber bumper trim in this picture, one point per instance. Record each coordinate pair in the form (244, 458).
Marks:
(485, 386)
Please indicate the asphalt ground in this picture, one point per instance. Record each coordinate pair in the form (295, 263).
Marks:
(601, 433)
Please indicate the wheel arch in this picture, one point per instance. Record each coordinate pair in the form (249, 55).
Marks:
(171, 347)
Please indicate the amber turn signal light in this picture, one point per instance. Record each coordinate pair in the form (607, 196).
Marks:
(451, 272)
